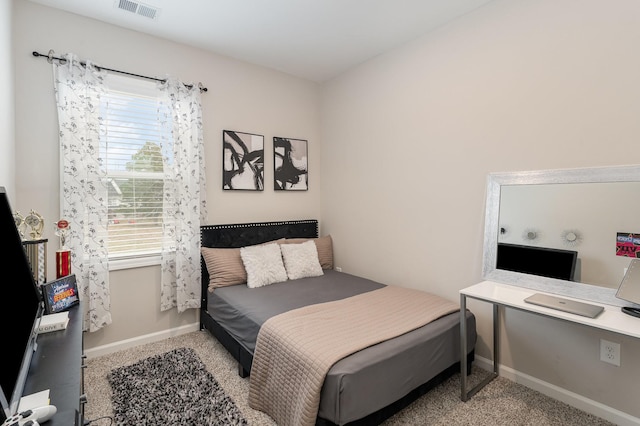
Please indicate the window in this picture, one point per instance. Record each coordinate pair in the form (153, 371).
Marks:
(135, 136)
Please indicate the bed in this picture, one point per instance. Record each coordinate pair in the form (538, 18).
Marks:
(363, 388)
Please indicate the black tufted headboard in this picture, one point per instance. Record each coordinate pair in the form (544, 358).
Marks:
(246, 234)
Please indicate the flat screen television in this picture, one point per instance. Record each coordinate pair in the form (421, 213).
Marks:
(23, 308)
(542, 261)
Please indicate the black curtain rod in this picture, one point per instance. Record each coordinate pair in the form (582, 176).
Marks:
(50, 59)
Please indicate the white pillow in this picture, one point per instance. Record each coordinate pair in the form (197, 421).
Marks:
(263, 265)
(301, 260)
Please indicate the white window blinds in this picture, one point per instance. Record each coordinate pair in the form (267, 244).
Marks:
(135, 138)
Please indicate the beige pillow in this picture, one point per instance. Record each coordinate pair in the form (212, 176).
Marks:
(324, 246)
(225, 266)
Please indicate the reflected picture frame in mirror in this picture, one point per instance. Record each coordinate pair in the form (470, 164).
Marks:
(497, 183)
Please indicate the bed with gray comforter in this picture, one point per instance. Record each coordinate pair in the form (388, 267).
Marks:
(363, 388)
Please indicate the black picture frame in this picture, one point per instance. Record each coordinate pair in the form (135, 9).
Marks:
(290, 164)
(242, 161)
(60, 294)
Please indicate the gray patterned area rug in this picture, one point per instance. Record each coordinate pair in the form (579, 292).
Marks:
(173, 388)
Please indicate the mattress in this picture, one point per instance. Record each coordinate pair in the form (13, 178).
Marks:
(362, 382)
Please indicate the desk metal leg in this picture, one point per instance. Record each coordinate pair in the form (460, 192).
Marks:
(496, 338)
(463, 346)
(468, 393)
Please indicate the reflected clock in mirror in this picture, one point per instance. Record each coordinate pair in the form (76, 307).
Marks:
(580, 210)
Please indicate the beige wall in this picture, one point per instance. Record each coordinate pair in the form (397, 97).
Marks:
(409, 138)
(7, 126)
(240, 97)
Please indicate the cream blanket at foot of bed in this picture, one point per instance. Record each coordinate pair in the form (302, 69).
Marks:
(296, 349)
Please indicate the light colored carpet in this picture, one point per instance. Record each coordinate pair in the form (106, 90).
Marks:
(502, 402)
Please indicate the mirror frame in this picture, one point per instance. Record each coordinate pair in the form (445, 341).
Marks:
(591, 292)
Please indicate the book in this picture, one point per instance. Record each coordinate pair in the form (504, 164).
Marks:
(53, 322)
(60, 294)
(34, 400)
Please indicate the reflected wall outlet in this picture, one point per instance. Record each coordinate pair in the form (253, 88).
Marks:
(610, 352)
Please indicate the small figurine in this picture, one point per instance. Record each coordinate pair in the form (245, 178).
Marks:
(36, 223)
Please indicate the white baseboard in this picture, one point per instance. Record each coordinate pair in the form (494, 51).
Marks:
(140, 340)
(573, 399)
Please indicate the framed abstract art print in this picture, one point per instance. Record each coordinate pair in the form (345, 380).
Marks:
(242, 161)
(290, 162)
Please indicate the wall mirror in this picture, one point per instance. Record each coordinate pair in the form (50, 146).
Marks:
(587, 210)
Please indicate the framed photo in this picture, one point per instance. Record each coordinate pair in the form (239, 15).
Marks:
(290, 163)
(60, 294)
(242, 161)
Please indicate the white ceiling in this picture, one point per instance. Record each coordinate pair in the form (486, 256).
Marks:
(312, 39)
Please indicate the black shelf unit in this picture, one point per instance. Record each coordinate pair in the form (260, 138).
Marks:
(58, 365)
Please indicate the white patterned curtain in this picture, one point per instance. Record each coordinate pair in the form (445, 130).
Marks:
(78, 90)
(184, 207)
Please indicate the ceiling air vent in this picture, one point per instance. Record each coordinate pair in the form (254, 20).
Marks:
(138, 8)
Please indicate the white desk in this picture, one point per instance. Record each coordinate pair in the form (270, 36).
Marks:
(611, 319)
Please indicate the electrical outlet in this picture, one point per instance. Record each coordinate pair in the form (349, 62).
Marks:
(610, 352)
(338, 269)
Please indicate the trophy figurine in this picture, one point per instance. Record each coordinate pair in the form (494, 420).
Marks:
(63, 255)
(36, 223)
(17, 217)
